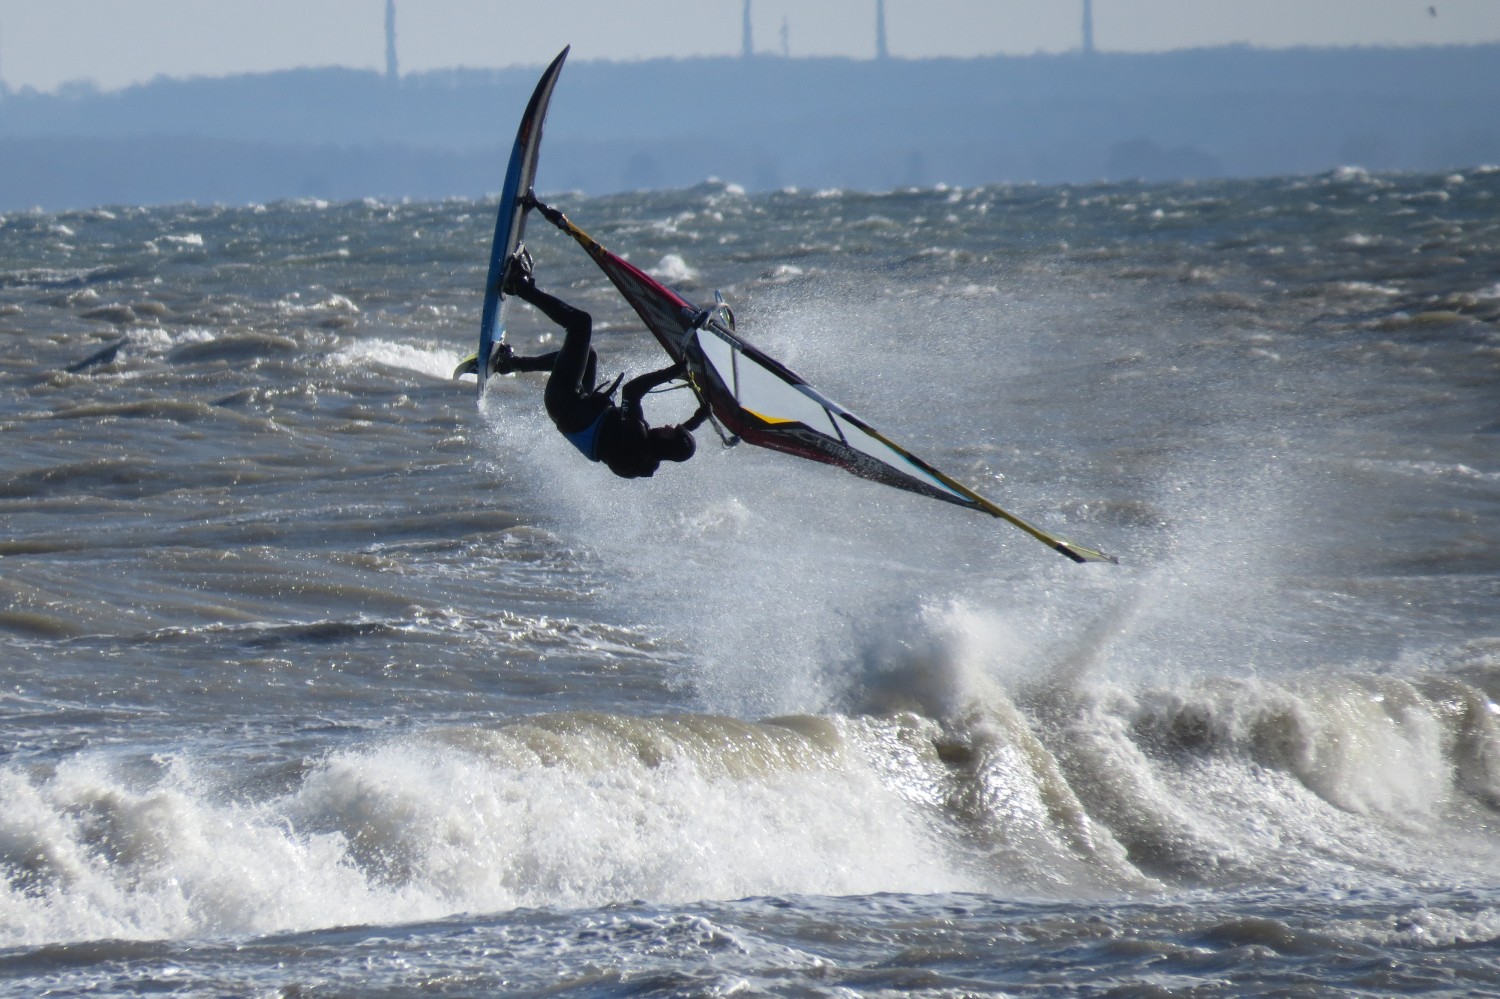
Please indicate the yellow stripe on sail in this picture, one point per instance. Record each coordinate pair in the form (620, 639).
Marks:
(770, 419)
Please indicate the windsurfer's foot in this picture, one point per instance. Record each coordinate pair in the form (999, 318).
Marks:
(502, 359)
(518, 272)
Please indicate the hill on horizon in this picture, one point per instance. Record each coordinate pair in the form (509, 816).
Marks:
(763, 123)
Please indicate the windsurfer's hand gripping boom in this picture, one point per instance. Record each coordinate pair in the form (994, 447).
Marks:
(549, 213)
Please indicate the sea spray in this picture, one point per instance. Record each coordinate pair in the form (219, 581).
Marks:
(321, 678)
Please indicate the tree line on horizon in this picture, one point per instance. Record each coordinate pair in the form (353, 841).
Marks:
(763, 122)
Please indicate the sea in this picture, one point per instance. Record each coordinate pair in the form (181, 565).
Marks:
(325, 677)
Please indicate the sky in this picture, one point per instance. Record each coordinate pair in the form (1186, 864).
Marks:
(46, 44)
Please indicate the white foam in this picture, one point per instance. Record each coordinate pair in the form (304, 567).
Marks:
(434, 362)
(105, 860)
(580, 814)
(673, 270)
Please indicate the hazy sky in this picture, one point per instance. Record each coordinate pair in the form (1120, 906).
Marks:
(114, 43)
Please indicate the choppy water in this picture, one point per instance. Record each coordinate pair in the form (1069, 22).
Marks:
(320, 680)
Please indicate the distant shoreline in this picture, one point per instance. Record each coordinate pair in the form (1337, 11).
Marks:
(764, 123)
(85, 88)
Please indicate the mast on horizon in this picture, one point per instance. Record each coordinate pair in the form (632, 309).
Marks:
(747, 41)
(392, 73)
(1088, 27)
(881, 52)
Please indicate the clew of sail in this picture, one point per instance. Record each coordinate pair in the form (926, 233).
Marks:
(764, 402)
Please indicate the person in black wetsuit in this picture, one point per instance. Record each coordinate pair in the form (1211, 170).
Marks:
(584, 412)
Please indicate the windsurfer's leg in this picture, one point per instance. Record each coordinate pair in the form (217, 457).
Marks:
(572, 370)
(538, 362)
(573, 367)
(569, 394)
(553, 308)
(590, 379)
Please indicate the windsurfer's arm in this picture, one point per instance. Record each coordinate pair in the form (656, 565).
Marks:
(635, 390)
(696, 420)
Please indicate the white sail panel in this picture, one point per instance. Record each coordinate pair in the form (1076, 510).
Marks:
(719, 355)
(862, 440)
(763, 392)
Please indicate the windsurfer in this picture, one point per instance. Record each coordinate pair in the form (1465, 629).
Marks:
(585, 412)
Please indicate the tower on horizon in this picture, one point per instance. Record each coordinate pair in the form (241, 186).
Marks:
(881, 52)
(1088, 27)
(747, 41)
(392, 72)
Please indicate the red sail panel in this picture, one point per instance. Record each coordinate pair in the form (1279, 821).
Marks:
(666, 314)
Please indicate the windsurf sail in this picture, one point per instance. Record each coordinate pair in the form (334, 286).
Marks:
(765, 403)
